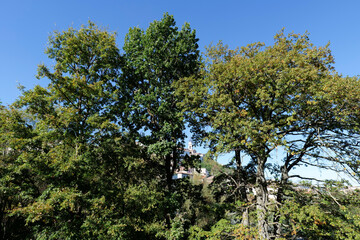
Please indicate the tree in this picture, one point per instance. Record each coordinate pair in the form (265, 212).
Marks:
(154, 60)
(106, 134)
(255, 100)
(18, 184)
(93, 177)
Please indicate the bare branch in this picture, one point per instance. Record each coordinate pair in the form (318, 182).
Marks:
(306, 178)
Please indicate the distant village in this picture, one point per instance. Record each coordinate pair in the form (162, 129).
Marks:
(184, 172)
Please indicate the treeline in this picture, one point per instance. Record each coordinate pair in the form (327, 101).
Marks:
(92, 155)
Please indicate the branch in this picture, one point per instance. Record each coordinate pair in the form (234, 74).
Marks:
(306, 178)
(307, 145)
(333, 198)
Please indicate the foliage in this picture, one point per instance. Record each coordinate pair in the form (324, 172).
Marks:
(154, 60)
(326, 212)
(92, 153)
(82, 166)
(224, 230)
(18, 184)
(256, 99)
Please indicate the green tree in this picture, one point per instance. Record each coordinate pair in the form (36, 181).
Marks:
(93, 177)
(18, 184)
(154, 60)
(71, 118)
(257, 99)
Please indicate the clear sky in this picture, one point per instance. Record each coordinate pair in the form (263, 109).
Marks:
(25, 26)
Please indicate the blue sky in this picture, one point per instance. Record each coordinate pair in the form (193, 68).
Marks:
(26, 25)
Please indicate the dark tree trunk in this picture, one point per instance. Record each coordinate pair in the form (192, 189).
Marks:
(171, 162)
(168, 190)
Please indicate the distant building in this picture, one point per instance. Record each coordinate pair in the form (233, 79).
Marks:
(182, 172)
(192, 152)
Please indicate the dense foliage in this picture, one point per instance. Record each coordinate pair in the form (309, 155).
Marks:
(92, 154)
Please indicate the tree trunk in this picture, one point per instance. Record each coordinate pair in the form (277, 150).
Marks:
(261, 201)
(171, 162)
(245, 221)
(168, 190)
(279, 199)
(242, 181)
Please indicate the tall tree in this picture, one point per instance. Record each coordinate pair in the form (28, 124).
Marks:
(91, 174)
(257, 99)
(154, 60)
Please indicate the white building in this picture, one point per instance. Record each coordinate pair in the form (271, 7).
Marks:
(183, 172)
(192, 152)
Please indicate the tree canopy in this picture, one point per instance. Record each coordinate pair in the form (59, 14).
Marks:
(257, 99)
(92, 152)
